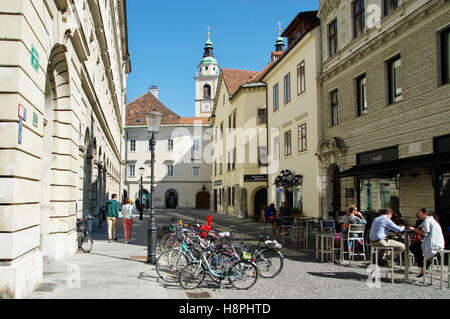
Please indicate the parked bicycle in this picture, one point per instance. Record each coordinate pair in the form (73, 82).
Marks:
(84, 239)
(269, 259)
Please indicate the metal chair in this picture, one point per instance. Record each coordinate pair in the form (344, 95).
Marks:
(375, 251)
(287, 226)
(354, 235)
(440, 267)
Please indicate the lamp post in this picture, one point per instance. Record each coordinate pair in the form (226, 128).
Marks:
(141, 204)
(153, 122)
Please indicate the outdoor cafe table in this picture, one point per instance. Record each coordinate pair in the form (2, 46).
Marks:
(307, 220)
(406, 234)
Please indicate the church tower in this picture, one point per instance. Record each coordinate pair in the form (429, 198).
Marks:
(206, 81)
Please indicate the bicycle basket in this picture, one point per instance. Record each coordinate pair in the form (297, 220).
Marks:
(246, 256)
(273, 244)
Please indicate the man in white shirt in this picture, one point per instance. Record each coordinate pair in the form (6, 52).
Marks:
(381, 227)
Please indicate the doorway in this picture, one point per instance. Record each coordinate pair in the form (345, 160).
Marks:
(171, 199)
(260, 200)
(202, 200)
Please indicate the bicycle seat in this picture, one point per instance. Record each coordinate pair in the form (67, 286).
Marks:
(264, 237)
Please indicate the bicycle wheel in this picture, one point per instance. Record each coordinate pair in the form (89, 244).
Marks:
(191, 276)
(86, 242)
(169, 264)
(243, 275)
(269, 262)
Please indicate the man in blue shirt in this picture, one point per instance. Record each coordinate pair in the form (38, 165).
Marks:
(381, 227)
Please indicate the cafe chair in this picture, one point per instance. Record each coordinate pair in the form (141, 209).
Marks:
(439, 266)
(354, 236)
(375, 251)
(287, 226)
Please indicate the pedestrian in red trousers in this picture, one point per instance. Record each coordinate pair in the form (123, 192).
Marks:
(128, 211)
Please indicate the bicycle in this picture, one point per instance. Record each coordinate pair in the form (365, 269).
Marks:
(84, 239)
(220, 265)
(269, 260)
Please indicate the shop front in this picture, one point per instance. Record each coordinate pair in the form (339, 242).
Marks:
(383, 180)
(289, 189)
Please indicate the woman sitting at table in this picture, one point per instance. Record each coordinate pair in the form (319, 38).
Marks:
(352, 217)
(433, 240)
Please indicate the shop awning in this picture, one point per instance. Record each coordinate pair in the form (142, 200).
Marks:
(391, 168)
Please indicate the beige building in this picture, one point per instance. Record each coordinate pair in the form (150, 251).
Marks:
(294, 117)
(386, 106)
(63, 69)
(239, 173)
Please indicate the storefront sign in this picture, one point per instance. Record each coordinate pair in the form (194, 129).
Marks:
(379, 156)
(218, 183)
(255, 178)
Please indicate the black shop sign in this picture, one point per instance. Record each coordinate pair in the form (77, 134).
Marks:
(379, 156)
(255, 178)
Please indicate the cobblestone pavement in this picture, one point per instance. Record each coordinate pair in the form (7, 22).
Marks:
(115, 270)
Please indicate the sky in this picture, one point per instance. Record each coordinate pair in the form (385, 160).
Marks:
(166, 41)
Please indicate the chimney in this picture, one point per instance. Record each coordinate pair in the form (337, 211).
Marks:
(154, 90)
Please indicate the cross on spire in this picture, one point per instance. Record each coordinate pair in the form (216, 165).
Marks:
(279, 28)
(209, 32)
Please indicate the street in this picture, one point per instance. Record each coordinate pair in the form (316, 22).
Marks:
(115, 270)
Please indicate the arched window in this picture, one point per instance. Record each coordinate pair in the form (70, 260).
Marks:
(207, 91)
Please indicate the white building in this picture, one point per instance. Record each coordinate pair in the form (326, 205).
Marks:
(183, 165)
(63, 69)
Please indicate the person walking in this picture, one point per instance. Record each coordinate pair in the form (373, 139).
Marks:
(128, 212)
(433, 240)
(379, 231)
(112, 213)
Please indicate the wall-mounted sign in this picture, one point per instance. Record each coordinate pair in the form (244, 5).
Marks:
(378, 156)
(255, 178)
(34, 58)
(35, 120)
(218, 183)
(22, 112)
(20, 131)
(442, 144)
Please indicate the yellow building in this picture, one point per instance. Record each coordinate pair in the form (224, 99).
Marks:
(239, 147)
(293, 117)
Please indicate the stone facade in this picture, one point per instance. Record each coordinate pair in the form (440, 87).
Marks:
(411, 32)
(66, 63)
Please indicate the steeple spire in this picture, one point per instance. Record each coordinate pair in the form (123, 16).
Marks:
(279, 45)
(209, 45)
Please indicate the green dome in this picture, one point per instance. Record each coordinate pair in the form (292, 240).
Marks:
(209, 60)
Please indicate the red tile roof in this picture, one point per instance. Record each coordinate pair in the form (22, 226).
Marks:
(236, 78)
(136, 111)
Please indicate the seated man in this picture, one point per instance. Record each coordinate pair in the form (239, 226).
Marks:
(379, 233)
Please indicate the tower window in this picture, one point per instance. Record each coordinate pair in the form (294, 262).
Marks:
(206, 69)
(207, 91)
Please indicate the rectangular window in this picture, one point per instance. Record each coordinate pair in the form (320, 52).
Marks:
(230, 119)
(262, 116)
(196, 144)
(169, 145)
(332, 38)
(302, 140)
(276, 147)
(394, 80)
(132, 145)
(389, 6)
(276, 98)
(287, 88)
(334, 108)
(234, 159)
(359, 22)
(361, 94)
(169, 170)
(262, 152)
(196, 171)
(131, 170)
(287, 143)
(234, 119)
(301, 78)
(445, 54)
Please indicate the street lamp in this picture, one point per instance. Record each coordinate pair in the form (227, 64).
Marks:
(141, 207)
(153, 122)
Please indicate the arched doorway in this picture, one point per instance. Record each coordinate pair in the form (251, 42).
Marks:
(259, 200)
(203, 200)
(171, 199)
(146, 198)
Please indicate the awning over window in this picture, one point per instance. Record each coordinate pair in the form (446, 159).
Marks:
(391, 168)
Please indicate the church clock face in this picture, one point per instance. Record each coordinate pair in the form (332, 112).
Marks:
(206, 107)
